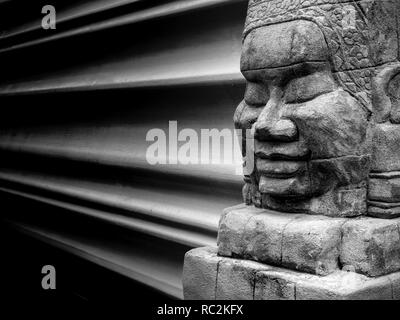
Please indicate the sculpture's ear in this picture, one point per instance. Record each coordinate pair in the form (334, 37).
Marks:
(386, 93)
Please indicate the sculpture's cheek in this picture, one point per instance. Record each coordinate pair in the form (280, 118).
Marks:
(342, 171)
(332, 125)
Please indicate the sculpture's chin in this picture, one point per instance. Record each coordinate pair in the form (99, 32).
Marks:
(288, 187)
(341, 202)
(293, 204)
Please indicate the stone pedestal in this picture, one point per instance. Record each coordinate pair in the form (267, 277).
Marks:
(314, 244)
(209, 276)
(263, 254)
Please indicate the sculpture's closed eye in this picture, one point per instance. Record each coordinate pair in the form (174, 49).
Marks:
(306, 88)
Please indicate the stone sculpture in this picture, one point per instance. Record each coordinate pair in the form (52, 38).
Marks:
(322, 204)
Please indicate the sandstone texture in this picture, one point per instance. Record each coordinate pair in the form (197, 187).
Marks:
(312, 244)
(242, 279)
(371, 246)
(386, 148)
(384, 195)
(199, 273)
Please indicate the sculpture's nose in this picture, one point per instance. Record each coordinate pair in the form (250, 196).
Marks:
(279, 130)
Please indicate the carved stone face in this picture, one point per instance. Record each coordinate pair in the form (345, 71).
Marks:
(312, 139)
(323, 104)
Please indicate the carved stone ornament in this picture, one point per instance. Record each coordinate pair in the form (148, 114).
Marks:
(321, 212)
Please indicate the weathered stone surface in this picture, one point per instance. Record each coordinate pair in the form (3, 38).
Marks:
(386, 87)
(386, 189)
(384, 195)
(240, 279)
(236, 278)
(256, 234)
(384, 210)
(371, 246)
(395, 279)
(337, 286)
(303, 242)
(200, 274)
(313, 244)
(309, 45)
(232, 229)
(272, 286)
(386, 148)
(339, 203)
(344, 286)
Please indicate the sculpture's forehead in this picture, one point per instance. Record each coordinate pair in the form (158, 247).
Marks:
(283, 44)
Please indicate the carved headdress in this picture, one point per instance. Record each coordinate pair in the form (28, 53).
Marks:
(361, 35)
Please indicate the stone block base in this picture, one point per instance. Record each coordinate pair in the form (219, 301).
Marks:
(208, 276)
(314, 244)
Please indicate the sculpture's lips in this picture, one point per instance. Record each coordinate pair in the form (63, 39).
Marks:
(281, 157)
(279, 151)
(280, 169)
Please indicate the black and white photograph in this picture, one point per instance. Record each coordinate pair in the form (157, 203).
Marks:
(199, 159)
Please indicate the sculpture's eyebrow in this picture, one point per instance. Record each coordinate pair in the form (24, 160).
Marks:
(293, 70)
